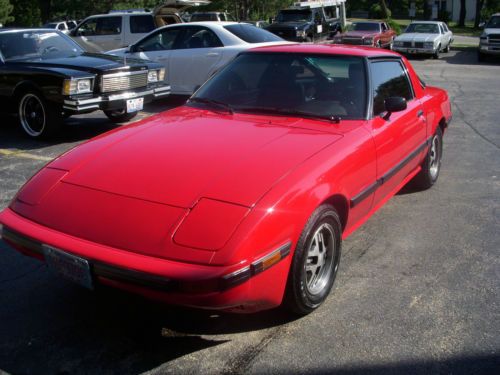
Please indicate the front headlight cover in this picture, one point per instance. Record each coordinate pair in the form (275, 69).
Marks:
(153, 76)
(75, 86)
(368, 41)
(301, 33)
(429, 45)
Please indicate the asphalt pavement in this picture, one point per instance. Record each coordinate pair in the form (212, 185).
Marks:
(417, 290)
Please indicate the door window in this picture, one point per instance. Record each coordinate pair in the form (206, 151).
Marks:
(198, 37)
(388, 79)
(160, 41)
(101, 26)
(141, 24)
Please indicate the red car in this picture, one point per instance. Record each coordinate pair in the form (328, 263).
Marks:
(370, 33)
(240, 199)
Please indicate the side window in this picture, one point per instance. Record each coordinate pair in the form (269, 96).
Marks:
(317, 16)
(388, 79)
(108, 26)
(384, 27)
(88, 28)
(441, 29)
(141, 24)
(222, 17)
(198, 37)
(61, 26)
(161, 41)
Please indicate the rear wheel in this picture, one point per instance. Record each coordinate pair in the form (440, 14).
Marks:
(315, 262)
(432, 163)
(37, 117)
(447, 49)
(120, 115)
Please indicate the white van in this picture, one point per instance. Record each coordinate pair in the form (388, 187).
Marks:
(119, 29)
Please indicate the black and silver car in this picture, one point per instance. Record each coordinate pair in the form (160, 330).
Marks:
(45, 77)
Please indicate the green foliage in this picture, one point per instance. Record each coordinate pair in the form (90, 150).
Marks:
(444, 16)
(394, 25)
(377, 12)
(490, 7)
(26, 13)
(5, 11)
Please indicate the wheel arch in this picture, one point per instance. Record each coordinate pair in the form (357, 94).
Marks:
(23, 87)
(341, 205)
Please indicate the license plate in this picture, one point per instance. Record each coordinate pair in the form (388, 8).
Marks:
(135, 105)
(71, 267)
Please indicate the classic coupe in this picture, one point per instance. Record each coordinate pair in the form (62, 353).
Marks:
(375, 34)
(239, 200)
(46, 77)
(424, 38)
(192, 52)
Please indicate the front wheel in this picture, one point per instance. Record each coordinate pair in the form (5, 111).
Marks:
(447, 49)
(436, 54)
(432, 163)
(315, 262)
(119, 116)
(37, 117)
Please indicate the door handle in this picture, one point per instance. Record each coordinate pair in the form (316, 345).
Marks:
(212, 54)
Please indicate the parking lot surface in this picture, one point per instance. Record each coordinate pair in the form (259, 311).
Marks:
(417, 291)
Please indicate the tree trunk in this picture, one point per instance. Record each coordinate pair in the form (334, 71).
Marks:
(463, 10)
(385, 13)
(477, 19)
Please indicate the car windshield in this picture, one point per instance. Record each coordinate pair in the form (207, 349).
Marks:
(295, 15)
(33, 44)
(301, 85)
(493, 23)
(51, 25)
(364, 26)
(252, 34)
(426, 28)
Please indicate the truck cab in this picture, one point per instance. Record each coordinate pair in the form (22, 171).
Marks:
(308, 21)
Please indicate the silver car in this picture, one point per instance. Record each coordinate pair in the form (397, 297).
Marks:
(424, 38)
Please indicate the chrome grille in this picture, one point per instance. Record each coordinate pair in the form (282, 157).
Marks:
(419, 44)
(406, 44)
(124, 81)
(494, 37)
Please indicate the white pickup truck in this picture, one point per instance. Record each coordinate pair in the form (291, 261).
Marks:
(105, 32)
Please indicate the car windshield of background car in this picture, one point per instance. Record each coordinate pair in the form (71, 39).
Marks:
(295, 16)
(37, 45)
(318, 86)
(365, 26)
(252, 34)
(425, 28)
(493, 23)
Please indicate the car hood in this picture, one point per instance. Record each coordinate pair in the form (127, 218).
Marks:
(417, 37)
(492, 31)
(359, 34)
(180, 156)
(88, 62)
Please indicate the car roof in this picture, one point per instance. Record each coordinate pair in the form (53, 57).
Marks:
(431, 22)
(24, 29)
(330, 49)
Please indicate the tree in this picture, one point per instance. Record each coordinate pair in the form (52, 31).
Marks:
(463, 10)
(385, 11)
(5, 12)
(477, 19)
(26, 13)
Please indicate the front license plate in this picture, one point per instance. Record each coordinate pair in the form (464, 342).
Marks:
(135, 105)
(71, 267)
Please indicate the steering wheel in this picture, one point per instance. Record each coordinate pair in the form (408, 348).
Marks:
(50, 49)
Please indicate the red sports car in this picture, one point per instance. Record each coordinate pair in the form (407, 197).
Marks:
(240, 199)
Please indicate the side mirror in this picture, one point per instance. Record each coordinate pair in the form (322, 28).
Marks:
(394, 104)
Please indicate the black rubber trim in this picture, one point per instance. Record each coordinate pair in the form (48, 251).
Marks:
(357, 199)
(18, 239)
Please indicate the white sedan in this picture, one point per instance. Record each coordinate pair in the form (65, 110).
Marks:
(192, 52)
(424, 37)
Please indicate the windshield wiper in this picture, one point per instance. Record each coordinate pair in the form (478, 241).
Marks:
(213, 102)
(291, 112)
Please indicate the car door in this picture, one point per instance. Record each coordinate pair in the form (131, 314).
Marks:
(99, 34)
(197, 51)
(400, 138)
(445, 35)
(157, 47)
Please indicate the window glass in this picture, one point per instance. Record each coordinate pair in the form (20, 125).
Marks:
(441, 29)
(198, 37)
(294, 15)
(365, 26)
(331, 12)
(389, 79)
(101, 26)
(252, 34)
(141, 24)
(161, 41)
(426, 28)
(315, 85)
(61, 26)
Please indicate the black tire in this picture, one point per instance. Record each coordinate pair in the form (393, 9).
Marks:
(447, 49)
(120, 116)
(37, 117)
(307, 290)
(432, 163)
(436, 54)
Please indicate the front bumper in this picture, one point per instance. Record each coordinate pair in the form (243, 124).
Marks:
(489, 49)
(414, 51)
(244, 287)
(114, 101)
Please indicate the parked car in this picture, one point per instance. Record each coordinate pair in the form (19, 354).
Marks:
(240, 199)
(489, 42)
(211, 16)
(424, 38)
(103, 32)
(45, 76)
(62, 26)
(260, 24)
(307, 22)
(370, 33)
(192, 52)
